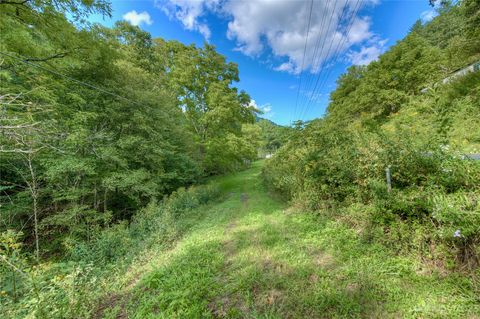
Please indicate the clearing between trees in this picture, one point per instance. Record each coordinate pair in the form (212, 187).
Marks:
(252, 256)
(115, 144)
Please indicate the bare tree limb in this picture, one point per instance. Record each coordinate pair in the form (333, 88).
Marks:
(21, 151)
(19, 126)
(5, 260)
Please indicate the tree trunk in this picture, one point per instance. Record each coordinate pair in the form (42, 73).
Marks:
(34, 192)
(95, 202)
(35, 216)
(105, 200)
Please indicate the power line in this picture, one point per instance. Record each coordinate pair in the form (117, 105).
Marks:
(303, 59)
(315, 51)
(344, 10)
(339, 45)
(322, 63)
(337, 54)
(320, 56)
(67, 77)
(324, 79)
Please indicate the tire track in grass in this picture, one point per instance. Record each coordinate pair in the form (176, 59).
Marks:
(253, 258)
(183, 285)
(220, 305)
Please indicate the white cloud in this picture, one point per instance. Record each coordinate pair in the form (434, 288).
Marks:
(136, 18)
(287, 66)
(312, 95)
(267, 111)
(281, 26)
(367, 54)
(189, 13)
(266, 108)
(428, 15)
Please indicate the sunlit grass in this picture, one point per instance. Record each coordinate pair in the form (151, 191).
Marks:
(250, 257)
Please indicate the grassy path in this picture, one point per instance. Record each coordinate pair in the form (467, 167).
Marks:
(252, 257)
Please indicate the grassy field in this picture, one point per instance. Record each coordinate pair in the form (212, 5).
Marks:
(251, 256)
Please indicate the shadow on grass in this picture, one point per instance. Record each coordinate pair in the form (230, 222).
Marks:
(271, 275)
(248, 259)
(253, 271)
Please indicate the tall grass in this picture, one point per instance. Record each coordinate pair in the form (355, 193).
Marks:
(70, 287)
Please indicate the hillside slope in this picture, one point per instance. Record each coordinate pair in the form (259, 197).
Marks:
(252, 256)
(397, 115)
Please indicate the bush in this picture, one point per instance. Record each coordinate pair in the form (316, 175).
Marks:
(321, 170)
(69, 288)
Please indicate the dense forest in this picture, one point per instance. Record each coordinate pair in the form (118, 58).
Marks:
(110, 138)
(397, 113)
(97, 123)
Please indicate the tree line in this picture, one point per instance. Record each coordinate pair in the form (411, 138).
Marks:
(97, 122)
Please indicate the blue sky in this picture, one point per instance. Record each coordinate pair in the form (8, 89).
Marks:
(267, 39)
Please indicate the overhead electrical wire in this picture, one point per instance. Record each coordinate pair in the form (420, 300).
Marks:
(325, 55)
(337, 50)
(317, 53)
(336, 55)
(303, 59)
(321, 54)
(308, 82)
(67, 77)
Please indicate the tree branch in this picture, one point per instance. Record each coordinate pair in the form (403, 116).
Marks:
(21, 151)
(21, 3)
(5, 260)
(19, 126)
(55, 56)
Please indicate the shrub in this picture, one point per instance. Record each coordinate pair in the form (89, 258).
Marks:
(69, 288)
(322, 170)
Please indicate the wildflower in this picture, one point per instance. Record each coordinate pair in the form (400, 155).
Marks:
(457, 233)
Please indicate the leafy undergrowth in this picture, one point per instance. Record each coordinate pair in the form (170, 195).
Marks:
(253, 257)
(112, 262)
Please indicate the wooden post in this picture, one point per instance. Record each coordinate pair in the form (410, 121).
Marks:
(389, 178)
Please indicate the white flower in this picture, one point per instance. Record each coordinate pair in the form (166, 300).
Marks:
(457, 233)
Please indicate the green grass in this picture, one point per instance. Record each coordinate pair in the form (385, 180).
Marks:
(250, 256)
